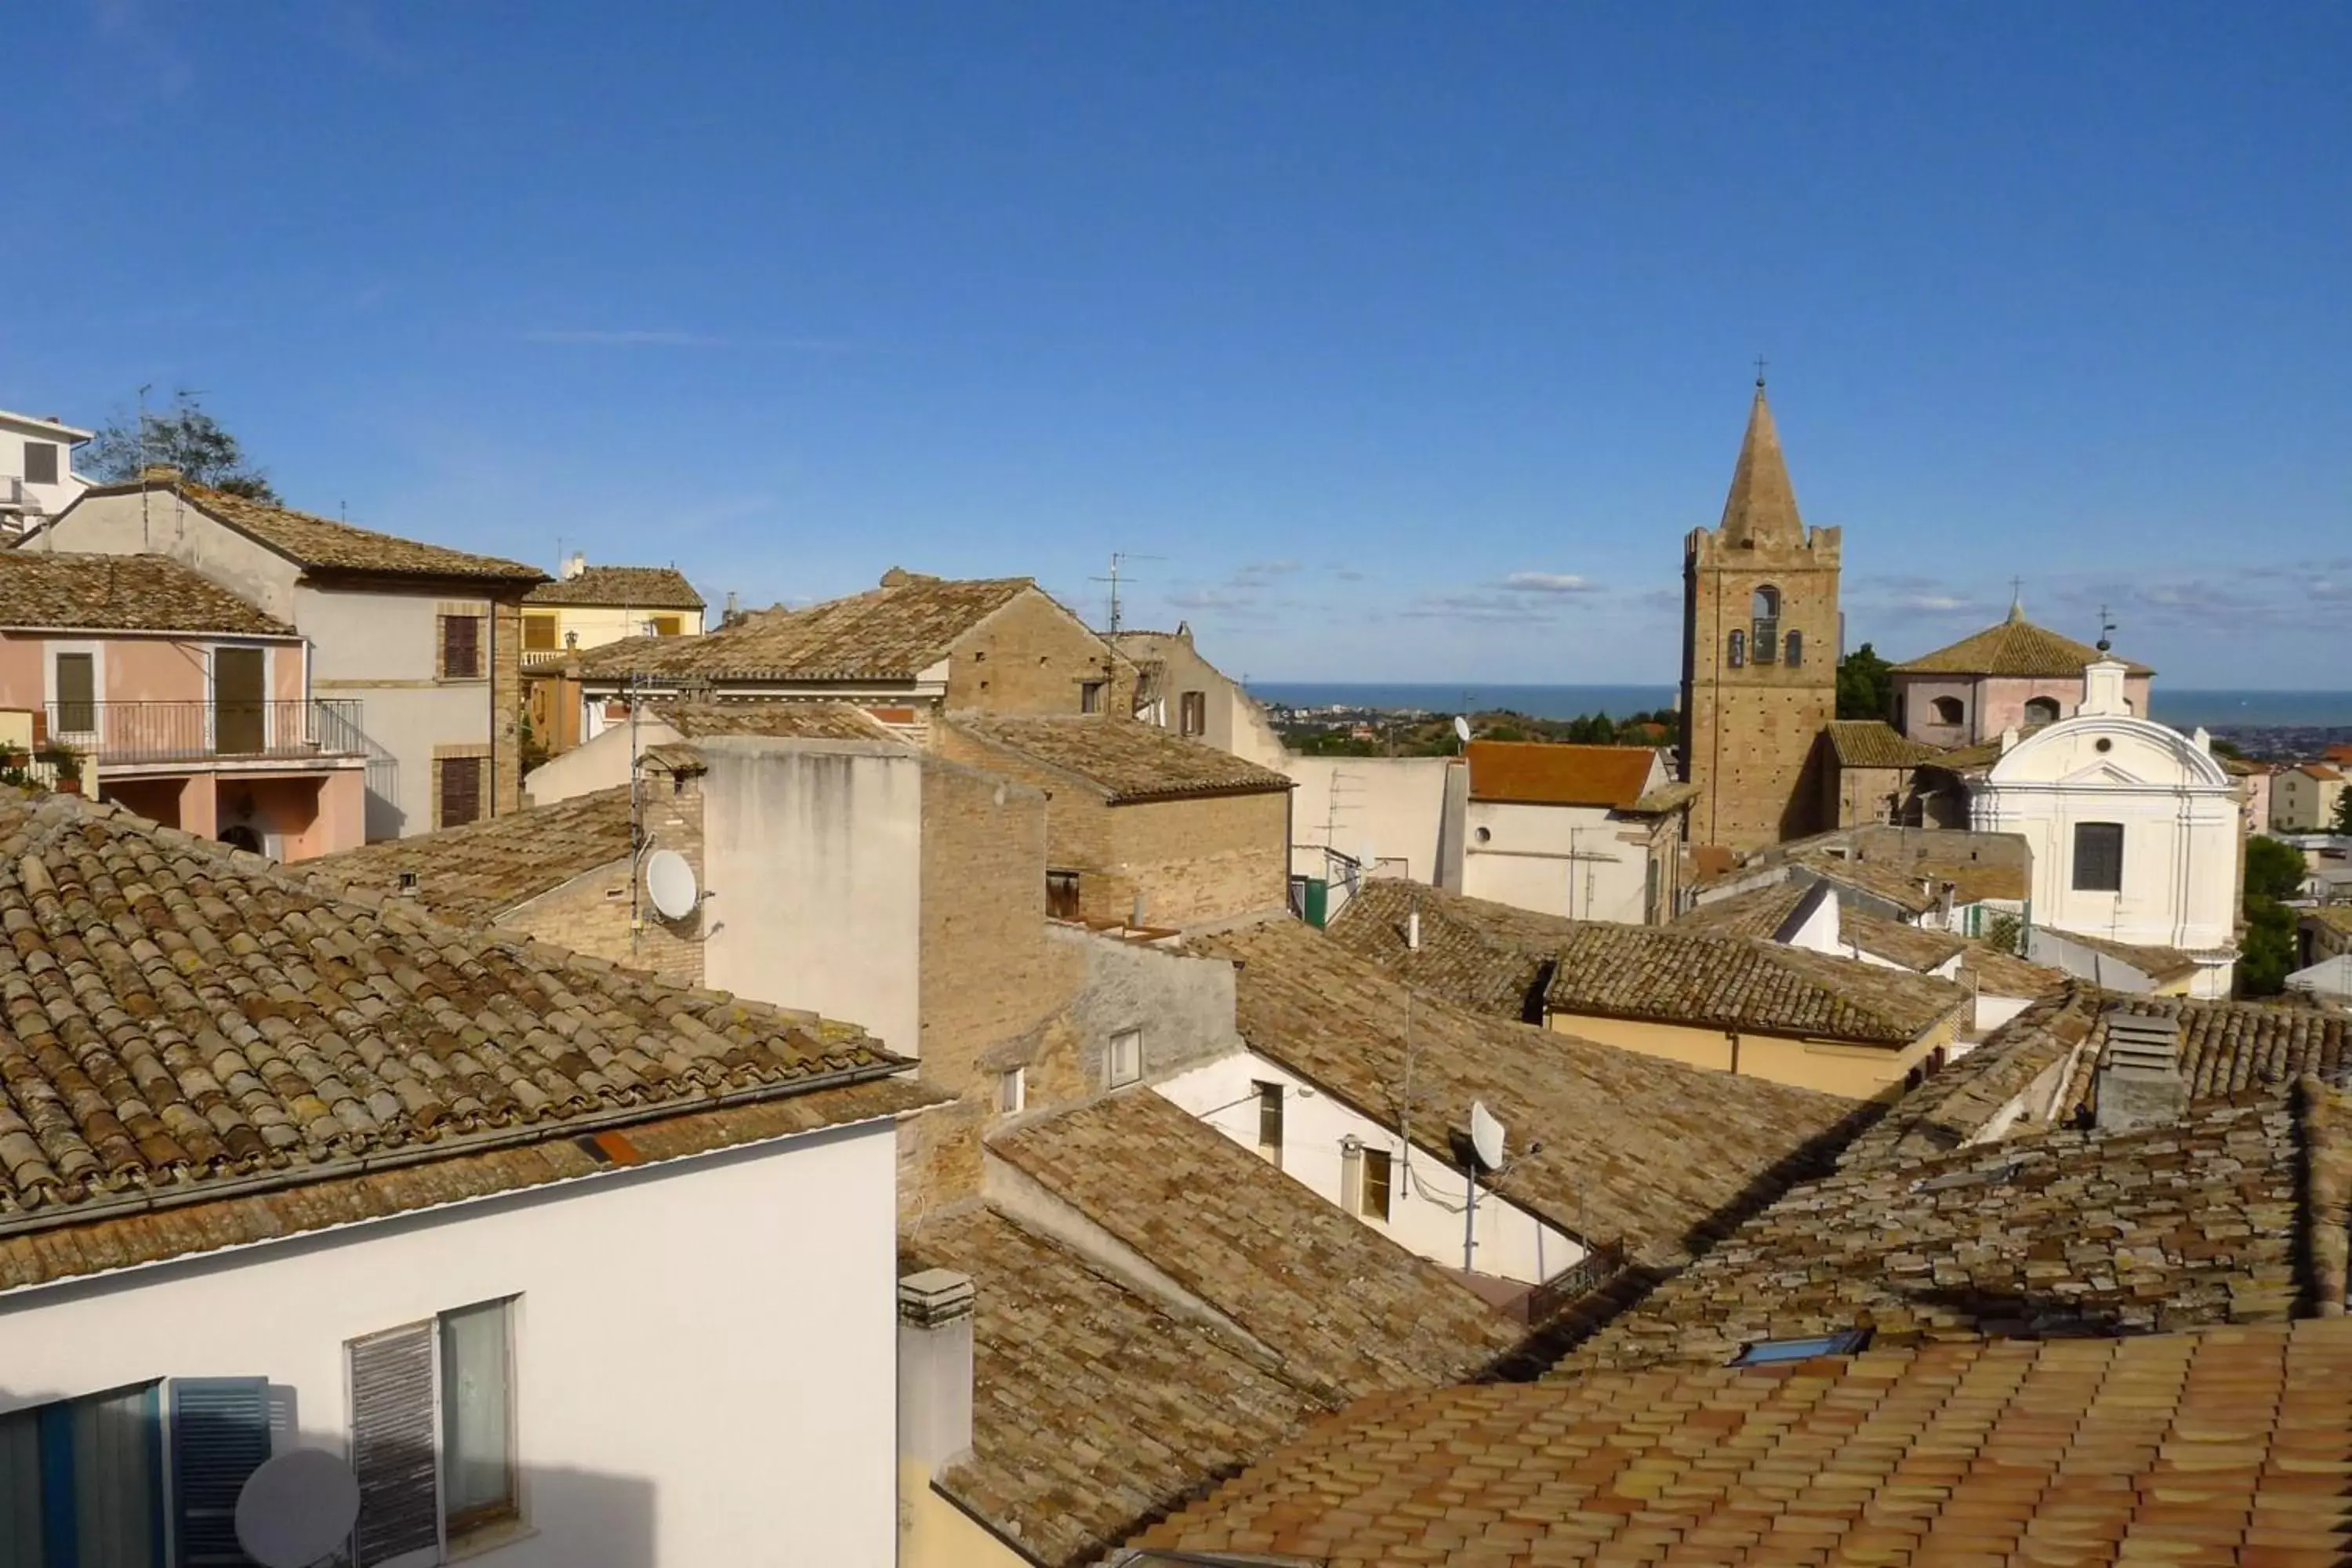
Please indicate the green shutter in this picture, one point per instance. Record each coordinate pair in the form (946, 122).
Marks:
(220, 1436)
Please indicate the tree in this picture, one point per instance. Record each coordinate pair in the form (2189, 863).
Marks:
(2273, 869)
(2343, 823)
(1866, 685)
(184, 437)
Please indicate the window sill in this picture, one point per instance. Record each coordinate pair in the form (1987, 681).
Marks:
(485, 1538)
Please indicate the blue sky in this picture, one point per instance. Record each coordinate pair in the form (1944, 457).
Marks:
(1410, 339)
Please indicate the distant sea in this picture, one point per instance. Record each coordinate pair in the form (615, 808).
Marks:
(2214, 709)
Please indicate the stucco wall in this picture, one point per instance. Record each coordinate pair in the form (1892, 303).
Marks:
(1992, 703)
(2301, 803)
(1857, 1072)
(1578, 861)
(1426, 1210)
(601, 763)
(160, 524)
(636, 1422)
(1387, 809)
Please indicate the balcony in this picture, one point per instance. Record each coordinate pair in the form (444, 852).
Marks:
(167, 735)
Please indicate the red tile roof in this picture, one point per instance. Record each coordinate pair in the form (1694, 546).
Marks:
(1532, 773)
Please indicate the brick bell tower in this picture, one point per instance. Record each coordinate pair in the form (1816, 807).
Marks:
(1760, 646)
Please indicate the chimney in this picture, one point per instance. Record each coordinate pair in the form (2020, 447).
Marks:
(2009, 740)
(574, 564)
(733, 613)
(2139, 1082)
(1412, 930)
(2103, 687)
(935, 1368)
(159, 474)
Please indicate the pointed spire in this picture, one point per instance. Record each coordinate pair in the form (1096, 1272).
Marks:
(1762, 506)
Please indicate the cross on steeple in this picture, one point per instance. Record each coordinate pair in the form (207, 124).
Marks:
(1760, 363)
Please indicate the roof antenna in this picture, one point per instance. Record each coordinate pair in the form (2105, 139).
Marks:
(1119, 558)
(2107, 631)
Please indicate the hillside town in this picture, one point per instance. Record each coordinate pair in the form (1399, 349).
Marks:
(1087, 1130)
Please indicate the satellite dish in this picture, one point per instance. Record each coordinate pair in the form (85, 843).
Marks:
(296, 1509)
(1462, 729)
(1486, 1135)
(669, 882)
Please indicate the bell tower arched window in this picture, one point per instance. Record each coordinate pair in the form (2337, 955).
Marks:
(1738, 654)
(1792, 649)
(1764, 617)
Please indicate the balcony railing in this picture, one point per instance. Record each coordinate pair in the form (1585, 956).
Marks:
(124, 734)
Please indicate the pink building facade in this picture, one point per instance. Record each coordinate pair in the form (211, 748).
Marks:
(2013, 676)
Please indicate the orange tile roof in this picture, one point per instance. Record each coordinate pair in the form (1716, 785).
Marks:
(1533, 772)
(2016, 648)
(2219, 1446)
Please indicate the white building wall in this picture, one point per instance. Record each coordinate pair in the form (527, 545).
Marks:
(603, 762)
(704, 1357)
(1568, 860)
(1388, 809)
(1425, 1211)
(15, 437)
(813, 856)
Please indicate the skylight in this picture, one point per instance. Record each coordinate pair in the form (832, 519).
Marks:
(1771, 1352)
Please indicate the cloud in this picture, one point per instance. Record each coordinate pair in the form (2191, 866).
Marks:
(1549, 583)
(1932, 603)
(1485, 606)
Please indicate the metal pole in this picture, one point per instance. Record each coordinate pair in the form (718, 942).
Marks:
(1470, 1217)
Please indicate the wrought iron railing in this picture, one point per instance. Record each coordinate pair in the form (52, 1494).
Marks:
(129, 734)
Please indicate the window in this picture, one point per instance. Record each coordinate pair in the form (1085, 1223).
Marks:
(1192, 712)
(1949, 711)
(666, 626)
(40, 462)
(1269, 1120)
(77, 693)
(1737, 656)
(1375, 1205)
(81, 1482)
(1061, 895)
(433, 1430)
(1770, 1352)
(1792, 649)
(461, 648)
(1124, 1063)
(2041, 710)
(1011, 1090)
(1764, 616)
(460, 780)
(2098, 856)
(538, 634)
(1090, 696)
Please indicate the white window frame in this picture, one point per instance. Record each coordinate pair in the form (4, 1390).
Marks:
(96, 651)
(1112, 1074)
(1012, 1092)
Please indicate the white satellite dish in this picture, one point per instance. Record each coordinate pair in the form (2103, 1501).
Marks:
(296, 1509)
(1486, 1135)
(1462, 729)
(669, 882)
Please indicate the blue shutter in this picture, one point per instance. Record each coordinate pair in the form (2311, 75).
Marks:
(220, 1436)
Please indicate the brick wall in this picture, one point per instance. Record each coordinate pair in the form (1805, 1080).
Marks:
(505, 784)
(1749, 732)
(1033, 657)
(590, 913)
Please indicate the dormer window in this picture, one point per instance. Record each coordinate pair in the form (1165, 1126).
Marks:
(1764, 620)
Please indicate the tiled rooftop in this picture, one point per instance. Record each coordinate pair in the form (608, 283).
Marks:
(1660, 973)
(182, 1015)
(783, 720)
(2157, 963)
(2066, 1234)
(1876, 743)
(1124, 758)
(1760, 911)
(1635, 1148)
(1488, 957)
(476, 873)
(1912, 890)
(2217, 1446)
(890, 633)
(322, 544)
(1999, 974)
(1534, 773)
(1094, 1410)
(45, 588)
(1347, 1309)
(2016, 648)
(621, 588)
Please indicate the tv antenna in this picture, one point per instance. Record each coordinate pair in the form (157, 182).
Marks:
(1119, 560)
(296, 1509)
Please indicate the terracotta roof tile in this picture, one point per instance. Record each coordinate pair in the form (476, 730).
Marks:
(2157, 963)
(781, 720)
(1636, 1149)
(1094, 1410)
(1876, 743)
(321, 543)
(1534, 773)
(2217, 1446)
(885, 633)
(620, 587)
(1347, 1309)
(1124, 758)
(2016, 648)
(122, 593)
(476, 873)
(1999, 974)
(181, 1014)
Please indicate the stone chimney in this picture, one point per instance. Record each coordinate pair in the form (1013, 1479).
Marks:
(935, 1368)
(2139, 1082)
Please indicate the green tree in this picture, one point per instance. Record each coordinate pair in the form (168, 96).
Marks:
(1866, 685)
(2273, 869)
(2343, 823)
(181, 436)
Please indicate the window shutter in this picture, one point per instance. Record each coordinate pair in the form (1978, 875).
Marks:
(461, 646)
(461, 791)
(220, 1436)
(394, 1443)
(40, 462)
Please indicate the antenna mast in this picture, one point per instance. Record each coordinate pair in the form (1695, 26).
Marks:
(1119, 558)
